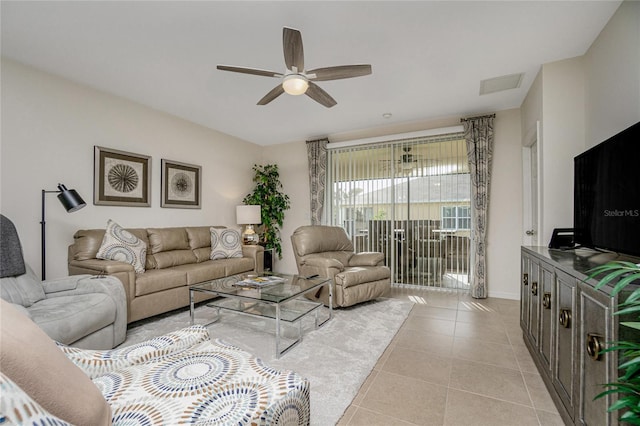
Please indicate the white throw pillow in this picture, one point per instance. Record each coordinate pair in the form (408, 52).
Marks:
(225, 243)
(120, 244)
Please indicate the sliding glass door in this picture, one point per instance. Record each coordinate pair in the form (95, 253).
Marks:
(409, 199)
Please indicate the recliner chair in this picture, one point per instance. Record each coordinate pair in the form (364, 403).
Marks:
(85, 311)
(328, 252)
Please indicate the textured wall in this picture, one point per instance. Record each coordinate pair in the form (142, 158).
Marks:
(49, 128)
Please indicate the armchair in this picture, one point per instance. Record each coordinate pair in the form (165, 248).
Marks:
(328, 252)
(83, 310)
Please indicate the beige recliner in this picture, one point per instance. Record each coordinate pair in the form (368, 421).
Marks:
(328, 252)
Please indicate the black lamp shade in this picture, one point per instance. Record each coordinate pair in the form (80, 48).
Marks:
(70, 199)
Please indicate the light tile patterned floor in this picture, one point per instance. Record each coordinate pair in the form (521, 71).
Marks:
(455, 361)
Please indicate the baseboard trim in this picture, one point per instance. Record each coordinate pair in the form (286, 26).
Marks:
(503, 295)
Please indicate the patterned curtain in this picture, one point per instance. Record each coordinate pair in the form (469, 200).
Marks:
(317, 156)
(478, 133)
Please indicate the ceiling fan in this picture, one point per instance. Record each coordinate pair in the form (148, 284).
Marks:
(408, 157)
(296, 80)
(405, 161)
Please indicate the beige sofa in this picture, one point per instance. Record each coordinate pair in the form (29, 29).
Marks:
(176, 258)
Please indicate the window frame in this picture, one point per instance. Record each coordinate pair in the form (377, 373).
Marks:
(457, 218)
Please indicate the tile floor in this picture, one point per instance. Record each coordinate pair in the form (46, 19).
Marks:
(455, 361)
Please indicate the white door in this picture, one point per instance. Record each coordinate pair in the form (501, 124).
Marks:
(531, 193)
(532, 230)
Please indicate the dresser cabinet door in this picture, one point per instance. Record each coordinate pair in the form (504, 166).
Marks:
(547, 319)
(596, 329)
(564, 370)
(534, 301)
(524, 293)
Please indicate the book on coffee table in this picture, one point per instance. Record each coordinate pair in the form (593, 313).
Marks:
(260, 281)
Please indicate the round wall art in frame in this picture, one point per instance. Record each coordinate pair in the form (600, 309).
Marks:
(121, 178)
(181, 185)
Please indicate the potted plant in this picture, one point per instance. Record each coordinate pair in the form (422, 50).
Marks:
(628, 384)
(268, 194)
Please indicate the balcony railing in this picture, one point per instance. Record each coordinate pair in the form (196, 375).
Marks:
(419, 252)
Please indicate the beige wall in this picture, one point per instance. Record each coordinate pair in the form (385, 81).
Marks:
(612, 76)
(531, 110)
(556, 99)
(291, 159)
(562, 139)
(581, 102)
(49, 128)
(505, 225)
(505, 210)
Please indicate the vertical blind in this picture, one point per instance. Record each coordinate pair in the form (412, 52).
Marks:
(409, 199)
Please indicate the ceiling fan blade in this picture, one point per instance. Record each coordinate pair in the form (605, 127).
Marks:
(274, 93)
(317, 94)
(339, 72)
(293, 50)
(251, 71)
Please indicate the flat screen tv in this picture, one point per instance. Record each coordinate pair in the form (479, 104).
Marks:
(607, 194)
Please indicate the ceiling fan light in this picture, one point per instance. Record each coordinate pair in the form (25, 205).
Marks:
(295, 84)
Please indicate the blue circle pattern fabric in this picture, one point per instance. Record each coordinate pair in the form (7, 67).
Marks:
(225, 243)
(121, 245)
(186, 378)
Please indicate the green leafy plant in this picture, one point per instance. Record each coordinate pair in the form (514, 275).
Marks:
(273, 202)
(380, 215)
(621, 274)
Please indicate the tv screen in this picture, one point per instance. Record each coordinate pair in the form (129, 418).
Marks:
(607, 194)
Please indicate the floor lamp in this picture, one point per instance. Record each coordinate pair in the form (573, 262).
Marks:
(71, 201)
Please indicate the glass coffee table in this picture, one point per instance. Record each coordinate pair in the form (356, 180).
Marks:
(280, 301)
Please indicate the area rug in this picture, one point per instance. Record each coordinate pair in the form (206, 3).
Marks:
(336, 358)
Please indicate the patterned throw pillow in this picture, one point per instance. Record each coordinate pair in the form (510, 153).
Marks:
(120, 244)
(225, 243)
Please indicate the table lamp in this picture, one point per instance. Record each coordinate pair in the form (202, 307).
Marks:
(249, 216)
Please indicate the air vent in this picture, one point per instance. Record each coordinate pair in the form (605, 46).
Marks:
(498, 84)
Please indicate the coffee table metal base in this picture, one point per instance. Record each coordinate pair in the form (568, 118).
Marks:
(290, 311)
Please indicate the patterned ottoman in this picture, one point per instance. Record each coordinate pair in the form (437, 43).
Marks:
(182, 378)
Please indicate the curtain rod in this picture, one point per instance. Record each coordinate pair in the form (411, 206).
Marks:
(396, 137)
(462, 120)
(318, 140)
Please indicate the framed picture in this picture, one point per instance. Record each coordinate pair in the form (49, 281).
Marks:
(181, 185)
(121, 178)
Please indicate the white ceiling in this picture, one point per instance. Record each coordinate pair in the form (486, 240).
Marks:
(428, 58)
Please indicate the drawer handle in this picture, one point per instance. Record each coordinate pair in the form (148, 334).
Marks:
(565, 317)
(525, 279)
(546, 300)
(594, 346)
(534, 288)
